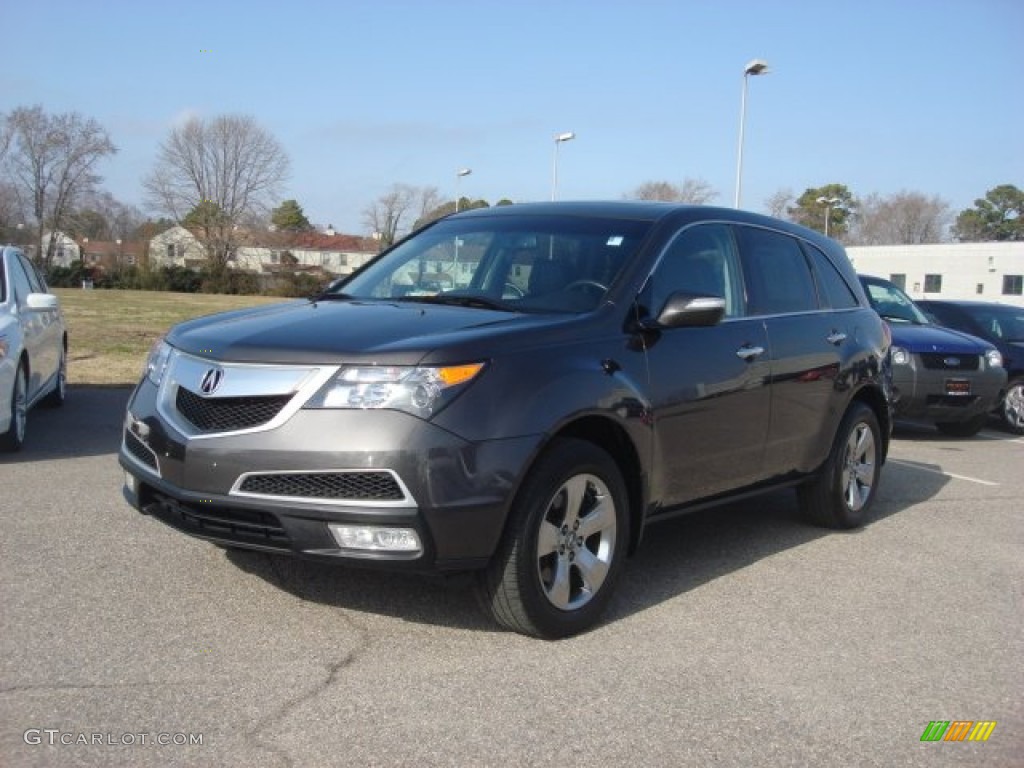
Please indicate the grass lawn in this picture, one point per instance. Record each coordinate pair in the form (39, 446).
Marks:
(110, 332)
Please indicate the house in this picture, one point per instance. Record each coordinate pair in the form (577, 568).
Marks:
(269, 252)
(176, 247)
(964, 271)
(65, 249)
(109, 254)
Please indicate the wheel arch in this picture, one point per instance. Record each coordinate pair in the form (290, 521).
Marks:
(612, 438)
(875, 399)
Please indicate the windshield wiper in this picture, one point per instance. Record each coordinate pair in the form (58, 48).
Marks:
(461, 300)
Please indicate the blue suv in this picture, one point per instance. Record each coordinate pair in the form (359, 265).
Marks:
(939, 375)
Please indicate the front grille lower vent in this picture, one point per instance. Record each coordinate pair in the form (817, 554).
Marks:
(336, 486)
(140, 451)
(226, 414)
(245, 526)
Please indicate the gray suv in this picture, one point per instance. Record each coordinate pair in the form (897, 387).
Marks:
(518, 392)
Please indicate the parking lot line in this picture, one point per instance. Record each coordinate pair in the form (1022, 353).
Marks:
(923, 468)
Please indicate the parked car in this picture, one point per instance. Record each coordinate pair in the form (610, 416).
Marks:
(1001, 325)
(605, 366)
(33, 346)
(939, 375)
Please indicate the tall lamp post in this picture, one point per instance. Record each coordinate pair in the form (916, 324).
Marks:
(559, 138)
(755, 67)
(458, 175)
(829, 203)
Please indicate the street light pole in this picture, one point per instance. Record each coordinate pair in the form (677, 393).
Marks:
(458, 175)
(559, 138)
(755, 67)
(829, 203)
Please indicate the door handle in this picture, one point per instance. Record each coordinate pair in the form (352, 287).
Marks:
(836, 337)
(748, 353)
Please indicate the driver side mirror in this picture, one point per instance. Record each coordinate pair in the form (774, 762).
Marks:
(689, 310)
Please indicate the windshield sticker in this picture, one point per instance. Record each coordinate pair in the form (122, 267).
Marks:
(615, 240)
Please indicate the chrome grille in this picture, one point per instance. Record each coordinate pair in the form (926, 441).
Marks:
(936, 361)
(348, 486)
(225, 414)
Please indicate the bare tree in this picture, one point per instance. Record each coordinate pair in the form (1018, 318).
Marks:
(905, 218)
(779, 203)
(229, 165)
(384, 215)
(694, 191)
(52, 159)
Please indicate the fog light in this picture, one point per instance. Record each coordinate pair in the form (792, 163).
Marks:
(372, 538)
(131, 483)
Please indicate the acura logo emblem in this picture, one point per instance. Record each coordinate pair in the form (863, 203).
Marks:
(211, 380)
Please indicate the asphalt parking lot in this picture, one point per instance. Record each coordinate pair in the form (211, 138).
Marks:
(738, 637)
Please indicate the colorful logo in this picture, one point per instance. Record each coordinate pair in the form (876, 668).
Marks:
(958, 730)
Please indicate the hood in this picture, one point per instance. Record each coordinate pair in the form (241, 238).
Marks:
(933, 338)
(341, 331)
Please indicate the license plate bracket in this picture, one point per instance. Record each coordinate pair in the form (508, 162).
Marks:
(958, 387)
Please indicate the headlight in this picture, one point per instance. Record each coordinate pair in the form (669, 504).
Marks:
(994, 358)
(421, 391)
(156, 363)
(900, 356)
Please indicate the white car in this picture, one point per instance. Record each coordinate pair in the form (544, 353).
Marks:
(33, 346)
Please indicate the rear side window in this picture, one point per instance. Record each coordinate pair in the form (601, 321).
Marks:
(779, 279)
(830, 282)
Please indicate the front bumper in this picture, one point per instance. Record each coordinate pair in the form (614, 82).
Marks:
(455, 494)
(927, 393)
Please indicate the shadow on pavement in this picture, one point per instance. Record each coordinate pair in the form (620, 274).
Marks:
(88, 424)
(675, 557)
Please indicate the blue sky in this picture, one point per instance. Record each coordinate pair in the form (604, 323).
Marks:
(882, 96)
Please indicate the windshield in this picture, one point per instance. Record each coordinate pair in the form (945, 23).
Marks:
(893, 304)
(515, 263)
(1003, 323)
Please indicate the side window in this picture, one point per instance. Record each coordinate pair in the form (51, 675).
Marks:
(22, 287)
(701, 259)
(35, 280)
(779, 278)
(833, 287)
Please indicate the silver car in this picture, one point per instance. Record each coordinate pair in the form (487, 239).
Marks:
(33, 346)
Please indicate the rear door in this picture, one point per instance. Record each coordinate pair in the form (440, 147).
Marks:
(708, 385)
(806, 338)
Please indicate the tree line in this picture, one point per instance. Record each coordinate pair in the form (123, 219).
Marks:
(221, 177)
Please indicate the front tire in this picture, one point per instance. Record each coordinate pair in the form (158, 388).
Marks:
(1013, 407)
(557, 565)
(14, 437)
(843, 491)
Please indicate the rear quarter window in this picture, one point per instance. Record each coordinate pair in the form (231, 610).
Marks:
(832, 286)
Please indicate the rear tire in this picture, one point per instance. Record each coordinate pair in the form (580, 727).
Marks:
(844, 489)
(556, 567)
(968, 428)
(14, 437)
(1013, 407)
(58, 396)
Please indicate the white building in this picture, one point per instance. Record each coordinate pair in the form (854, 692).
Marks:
(966, 271)
(270, 252)
(65, 249)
